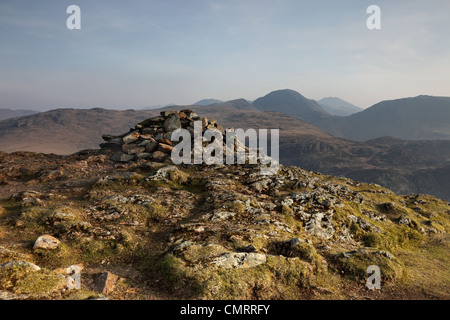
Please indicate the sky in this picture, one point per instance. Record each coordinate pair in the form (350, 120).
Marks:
(141, 53)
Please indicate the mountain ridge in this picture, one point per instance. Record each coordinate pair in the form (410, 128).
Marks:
(415, 118)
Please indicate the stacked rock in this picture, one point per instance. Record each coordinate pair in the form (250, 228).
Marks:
(151, 138)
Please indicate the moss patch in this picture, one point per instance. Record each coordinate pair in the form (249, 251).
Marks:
(22, 280)
(355, 265)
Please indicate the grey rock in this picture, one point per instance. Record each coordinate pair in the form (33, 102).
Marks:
(144, 155)
(166, 114)
(63, 216)
(404, 221)
(160, 156)
(122, 157)
(292, 243)
(107, 137)
(163, 173)
(143, 143)
(261, 185)
(374, 215)
(132, 149)
(364, 224)
(249, 248)
(82, 226)
(20, 263)
(386, 254)
(221, 215)
(46, 242)
(172, 123)
(183, 245)
(151, 146)
(239, 260)
(287, 202)
(320, 226)
(131, 137)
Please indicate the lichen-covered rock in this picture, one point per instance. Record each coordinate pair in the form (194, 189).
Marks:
(20, 263)
(321, 225)
(239, 260)
(221, 215)
(46, 242)
(163, 173)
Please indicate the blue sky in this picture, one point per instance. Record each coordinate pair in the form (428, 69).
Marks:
(136, 53)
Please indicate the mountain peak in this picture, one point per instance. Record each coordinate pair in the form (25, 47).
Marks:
(291, 102)
(207, 102)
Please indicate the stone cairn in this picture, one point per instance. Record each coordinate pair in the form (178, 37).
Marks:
(151, 138)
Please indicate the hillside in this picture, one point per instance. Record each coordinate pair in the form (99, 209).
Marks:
(8, 113)
(148, 229)
(238, 104)
(418, 118)
(338, 107)
(65, 131)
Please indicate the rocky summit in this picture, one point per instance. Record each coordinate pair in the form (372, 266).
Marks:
(124, 222)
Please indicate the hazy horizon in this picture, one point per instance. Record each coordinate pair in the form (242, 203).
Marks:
(141, 54)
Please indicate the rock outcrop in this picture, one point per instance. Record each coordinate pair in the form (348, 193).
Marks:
(151, 139)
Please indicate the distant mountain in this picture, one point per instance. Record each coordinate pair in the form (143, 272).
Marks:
(64, 131)
(418, 118)
(158, 106)
(8, 113)
(207, 102)
(292, 103)
(238, 104)
(338, 107)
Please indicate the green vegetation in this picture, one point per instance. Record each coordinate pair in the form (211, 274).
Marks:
(24, 280)
(235, 206)
(355, 266)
